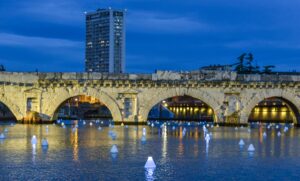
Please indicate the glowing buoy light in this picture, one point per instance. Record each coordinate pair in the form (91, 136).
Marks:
(44, 142)
(114, 149)
(33, 140)
(264, 134)
(251, 148)
(143, 138)
(278, 133)
(2, 136)
(150, 163)
(241, 143)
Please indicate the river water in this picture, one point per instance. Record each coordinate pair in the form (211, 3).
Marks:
(84, 153)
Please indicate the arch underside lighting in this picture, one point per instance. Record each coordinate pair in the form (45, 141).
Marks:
(182, 108)
(82, 107)
(274, 109)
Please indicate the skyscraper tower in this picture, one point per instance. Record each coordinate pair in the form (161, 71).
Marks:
(105, 41)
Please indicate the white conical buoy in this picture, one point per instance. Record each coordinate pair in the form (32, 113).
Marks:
(122, 124)
(150, 163)
(218, 125)
(236, 128)
(241, 143)
(44, 142)
(114, 149)
(264, 134)
(2, 136)
(99, 128)
(33, 140)
(207, 138)
(152, 125)
(251, 148)
(204, 129)
(144, 138)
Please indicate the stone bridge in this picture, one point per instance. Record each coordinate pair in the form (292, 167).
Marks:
(232, 96)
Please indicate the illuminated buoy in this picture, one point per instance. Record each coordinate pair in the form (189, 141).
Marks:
(212, 126)
(285, 129)
(99, 128)
(241, 143)
(74, 129)
(183, 132)
(251, 148)
(278, 133)
(207, 138)
(150, 163)
(144, 139)
(84, 123)
(144, 131)
(47, 128)
(264, 134)
(114, 149)
(152, 125)
(44, 142)
(126, 126)
(204, 129)
(62, 124)
(2, 136)
(101, 122)
(33, 140)
(189, 124)
(173, 128)
(91, 123)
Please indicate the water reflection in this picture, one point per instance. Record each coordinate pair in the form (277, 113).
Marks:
(91, 148)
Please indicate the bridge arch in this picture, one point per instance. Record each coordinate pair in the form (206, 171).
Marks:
(65, 94)
(15, 110)
(292, 101)
(161, 95)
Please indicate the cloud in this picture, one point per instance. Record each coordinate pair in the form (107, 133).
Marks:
(151, 22)
(7, 39)
(259, 43)
(65, 12)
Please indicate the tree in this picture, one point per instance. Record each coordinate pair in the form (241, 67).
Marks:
(268, 69)
(2, 68)
(240, 65)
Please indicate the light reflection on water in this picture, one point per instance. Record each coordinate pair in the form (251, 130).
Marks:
(85, 153)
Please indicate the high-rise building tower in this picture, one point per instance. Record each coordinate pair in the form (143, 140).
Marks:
(105, 41)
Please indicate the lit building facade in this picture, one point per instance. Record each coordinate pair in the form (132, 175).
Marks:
(105, 41)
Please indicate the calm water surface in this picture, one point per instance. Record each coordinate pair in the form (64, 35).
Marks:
(84, 153)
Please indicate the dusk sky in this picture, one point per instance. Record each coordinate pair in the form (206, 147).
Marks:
(49, 35)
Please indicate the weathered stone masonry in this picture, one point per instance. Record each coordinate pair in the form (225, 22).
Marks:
(231, 96)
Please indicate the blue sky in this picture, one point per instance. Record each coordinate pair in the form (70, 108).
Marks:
(49, 35)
